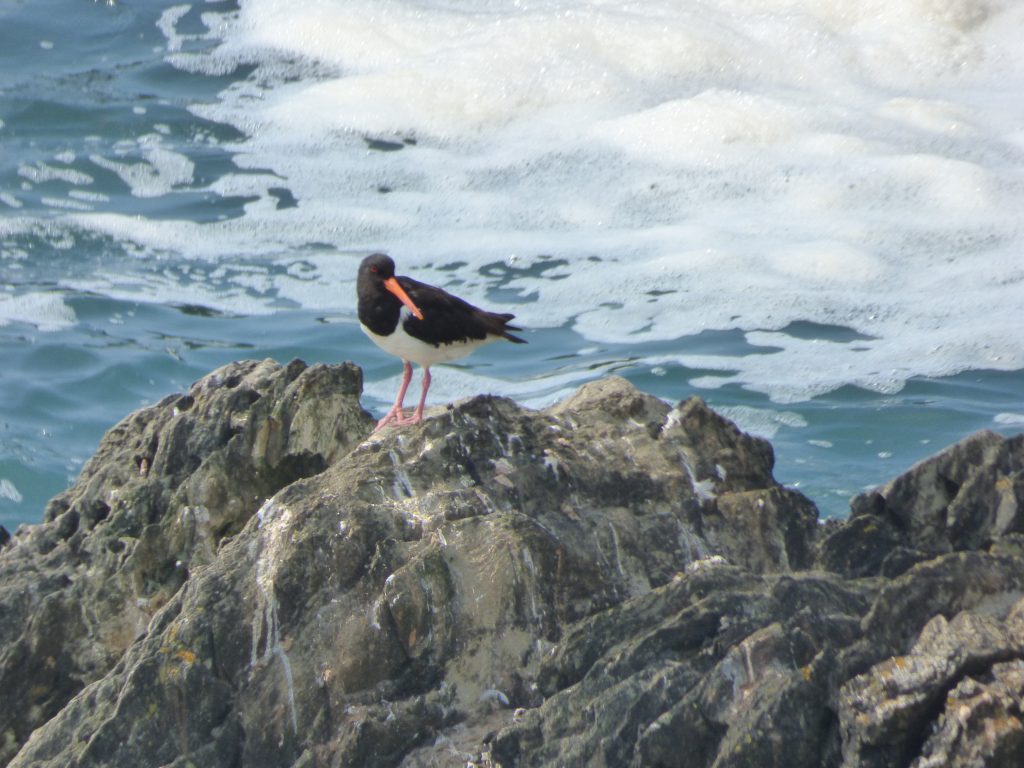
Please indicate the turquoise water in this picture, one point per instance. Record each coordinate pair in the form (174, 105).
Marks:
(63, 389)
(174, 195)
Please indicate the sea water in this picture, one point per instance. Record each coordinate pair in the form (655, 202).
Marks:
(808, 212)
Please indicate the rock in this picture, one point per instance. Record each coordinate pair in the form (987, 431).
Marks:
(607, 581)
(431, 569)
(166, 487)
(969, 669)
(716, 661)
(966, 497)
(981, 722)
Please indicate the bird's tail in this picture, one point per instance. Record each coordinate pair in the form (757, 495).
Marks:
(505, 328)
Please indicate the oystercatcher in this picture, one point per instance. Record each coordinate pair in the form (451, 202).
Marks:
(422, 324)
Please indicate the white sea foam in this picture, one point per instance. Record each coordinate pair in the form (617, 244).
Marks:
(65, 204)
(160, 172)
(46, 311)
(38, 173)
(87, 196)
(9, 491)
(850, 164)
(452, 383)
(761, 422)
(167, 25)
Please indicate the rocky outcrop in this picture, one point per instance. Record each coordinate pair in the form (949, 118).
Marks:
(610, 581)
(964, 498)
(166, 487)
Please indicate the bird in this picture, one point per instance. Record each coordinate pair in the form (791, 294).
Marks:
(421, 324)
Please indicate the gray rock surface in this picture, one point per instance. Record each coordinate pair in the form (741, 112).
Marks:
(166, 486)
(965, 497)
(243, 576)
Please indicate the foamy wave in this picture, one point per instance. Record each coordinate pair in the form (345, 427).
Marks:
(160, 172)
(9, 491)
(454, 383)
(762, 422)
(46, 311)
(685, 167)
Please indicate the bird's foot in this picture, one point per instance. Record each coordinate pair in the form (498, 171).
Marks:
(391, 416)
(396, 417)
(416, 418)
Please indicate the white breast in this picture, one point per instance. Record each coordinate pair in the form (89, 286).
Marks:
(401, 344)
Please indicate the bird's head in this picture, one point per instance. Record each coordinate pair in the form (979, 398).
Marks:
(379, 269)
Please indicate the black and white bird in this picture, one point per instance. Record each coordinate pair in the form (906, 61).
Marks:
(421, 324)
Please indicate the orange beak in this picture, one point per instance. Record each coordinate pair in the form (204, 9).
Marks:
(392, 285)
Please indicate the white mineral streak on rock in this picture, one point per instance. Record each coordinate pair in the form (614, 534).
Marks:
(275, 532)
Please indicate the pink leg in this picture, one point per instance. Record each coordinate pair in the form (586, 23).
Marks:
(395, 414)
(417, 415)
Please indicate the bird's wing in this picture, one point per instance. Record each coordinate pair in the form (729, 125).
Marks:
(448, 318)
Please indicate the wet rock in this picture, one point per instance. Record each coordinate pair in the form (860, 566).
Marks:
(608, 581)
